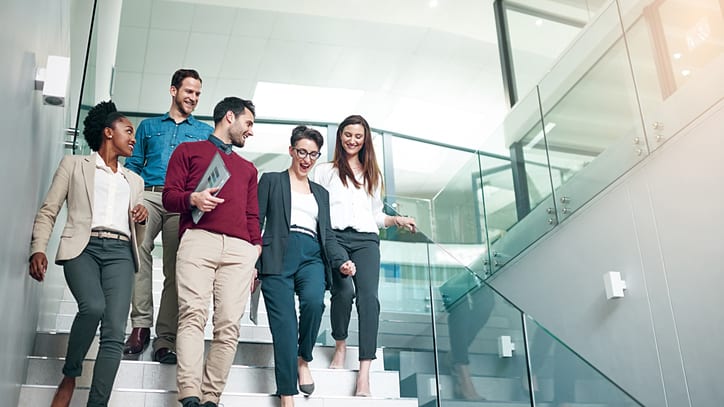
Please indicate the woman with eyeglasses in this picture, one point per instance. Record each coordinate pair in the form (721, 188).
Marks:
(354, 182)
(299, 254)
(97, 247)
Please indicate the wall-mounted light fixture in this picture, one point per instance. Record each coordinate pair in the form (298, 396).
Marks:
(506, 346)
(613, 284)
(53, 80)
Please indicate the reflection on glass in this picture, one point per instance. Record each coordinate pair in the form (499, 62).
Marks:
(517, 184)
(561, 377)
(418, 171)
(536, 42)
(457, 208)
(677, 54)
(472, 322)
(593, 133)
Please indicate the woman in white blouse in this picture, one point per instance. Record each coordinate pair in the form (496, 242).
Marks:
(354, 182)
(97, 248)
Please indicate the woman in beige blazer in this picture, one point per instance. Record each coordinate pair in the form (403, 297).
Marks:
(97, 247)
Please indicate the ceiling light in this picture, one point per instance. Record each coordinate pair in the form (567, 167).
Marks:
(299, 102)
(433, 3)
(677, 55)
(685, 72)
(539, 22)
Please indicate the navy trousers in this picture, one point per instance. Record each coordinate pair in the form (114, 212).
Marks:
(303, 274)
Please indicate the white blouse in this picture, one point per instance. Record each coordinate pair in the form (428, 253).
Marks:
(350, 206)
(111, 197)
(304, 210)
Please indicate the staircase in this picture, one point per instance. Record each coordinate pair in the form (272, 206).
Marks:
(142, 382)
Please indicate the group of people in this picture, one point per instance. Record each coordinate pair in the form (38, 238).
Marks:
(299, 236)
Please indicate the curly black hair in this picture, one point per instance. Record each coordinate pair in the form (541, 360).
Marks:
(100, 116)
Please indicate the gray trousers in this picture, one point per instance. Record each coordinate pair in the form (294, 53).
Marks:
(364, 250)
(101, 280)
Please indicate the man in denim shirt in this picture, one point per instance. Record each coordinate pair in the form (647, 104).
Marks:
(156, 139)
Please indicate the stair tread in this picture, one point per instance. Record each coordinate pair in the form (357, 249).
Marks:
(33, 395)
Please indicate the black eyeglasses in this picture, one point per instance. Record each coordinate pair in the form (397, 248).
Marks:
(302, 153)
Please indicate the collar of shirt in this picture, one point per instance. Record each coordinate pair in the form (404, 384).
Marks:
(190, 120)
(226, 148)
(101, 165)
(187, 120)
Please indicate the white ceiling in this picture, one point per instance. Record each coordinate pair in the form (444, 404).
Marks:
(428, 72)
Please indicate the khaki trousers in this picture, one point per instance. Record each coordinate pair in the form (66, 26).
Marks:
(166, 223)
(210, 266)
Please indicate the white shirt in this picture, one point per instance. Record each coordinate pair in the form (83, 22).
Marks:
(111, 198)
(350, 206)
(304, 210)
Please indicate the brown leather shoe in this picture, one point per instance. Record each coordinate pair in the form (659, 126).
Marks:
(137, 341)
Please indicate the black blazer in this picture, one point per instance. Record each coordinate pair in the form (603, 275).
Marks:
(275, 212)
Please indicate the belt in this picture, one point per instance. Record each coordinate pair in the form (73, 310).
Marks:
(104, 234)
(155, 188)
(302, 229)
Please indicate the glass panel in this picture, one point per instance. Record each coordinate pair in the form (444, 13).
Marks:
(593, 131)
(421, 172)
(677, 54)
(517, 188)
(459, 217)
(560, 376)
(536, 42)
(471, 324)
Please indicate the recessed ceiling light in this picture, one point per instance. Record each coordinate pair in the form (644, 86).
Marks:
(685, 72)
(433, 3)
(677, 55)
(539, 22)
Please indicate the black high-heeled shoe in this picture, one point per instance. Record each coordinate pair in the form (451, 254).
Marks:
(307, 389)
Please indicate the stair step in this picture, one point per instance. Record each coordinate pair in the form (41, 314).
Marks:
(242, 379)
(38, 395)
(487, 403)
(55, 344)
(423, 385)
(412, 362)
(510, 389)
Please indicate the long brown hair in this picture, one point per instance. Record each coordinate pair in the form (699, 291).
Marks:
(370, 169)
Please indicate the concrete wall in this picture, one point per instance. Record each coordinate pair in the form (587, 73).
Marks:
(661, 226)
(32, 140)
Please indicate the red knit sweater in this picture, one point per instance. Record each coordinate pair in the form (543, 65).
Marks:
(237, 216)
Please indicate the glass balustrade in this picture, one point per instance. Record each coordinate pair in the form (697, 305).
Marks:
(560, 377)
(453, 339)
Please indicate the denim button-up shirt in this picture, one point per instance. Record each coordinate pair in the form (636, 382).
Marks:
(156, 139)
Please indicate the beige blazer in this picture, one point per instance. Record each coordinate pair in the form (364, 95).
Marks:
(73, 183)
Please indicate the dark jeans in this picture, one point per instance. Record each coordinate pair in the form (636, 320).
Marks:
(101, 280)
(303, 274)
(364, 250)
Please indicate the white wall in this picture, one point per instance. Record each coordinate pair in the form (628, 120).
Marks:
(662, 227)
(32, 140)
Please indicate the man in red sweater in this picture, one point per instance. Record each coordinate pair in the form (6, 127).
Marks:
(216, 256)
